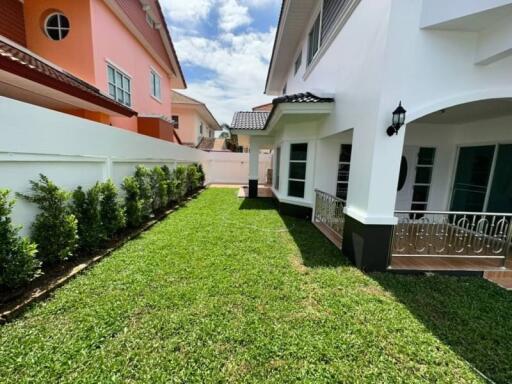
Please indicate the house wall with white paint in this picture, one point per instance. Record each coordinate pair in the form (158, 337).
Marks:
(73, 151)
(383, 55)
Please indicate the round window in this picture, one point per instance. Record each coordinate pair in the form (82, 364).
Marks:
(56, 26)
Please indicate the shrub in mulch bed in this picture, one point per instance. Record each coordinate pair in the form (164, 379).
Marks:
(72, 235)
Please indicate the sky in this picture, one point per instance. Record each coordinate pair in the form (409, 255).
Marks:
(224, 48)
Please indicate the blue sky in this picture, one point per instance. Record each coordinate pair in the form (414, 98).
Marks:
(224, 48)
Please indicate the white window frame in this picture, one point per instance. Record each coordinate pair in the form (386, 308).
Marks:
(124, 76)
(59, 28)
(290, 161)
(298, 63)
(340, 164)
(318, 16)
(154, 74)
(428, 185)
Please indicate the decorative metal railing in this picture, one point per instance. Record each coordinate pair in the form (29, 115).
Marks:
(329, 211)
(444, 233)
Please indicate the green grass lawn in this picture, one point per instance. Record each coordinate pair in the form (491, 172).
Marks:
(229, 291)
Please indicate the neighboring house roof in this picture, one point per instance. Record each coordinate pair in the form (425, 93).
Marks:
(263, 108)
(306, 97)
(179, 99)
(211, 144)
(21, 63)
(159, 39)
(259, 120)
(249, 120)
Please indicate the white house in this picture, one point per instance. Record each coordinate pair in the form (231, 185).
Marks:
(436, 195)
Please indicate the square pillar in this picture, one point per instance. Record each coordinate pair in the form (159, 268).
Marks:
(254, 159)
(372, 191)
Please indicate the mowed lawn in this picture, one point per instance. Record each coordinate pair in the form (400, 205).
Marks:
(226, 290)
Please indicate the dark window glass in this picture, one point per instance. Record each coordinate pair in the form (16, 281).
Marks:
(500, 197)
(420, 193)
(426, 156)
(341, 191)
(64, 22)
(343, 172)
(296, 188)
(423, 175)
(471, 178)
(53, 33)
(313, 40)
(176, 120)
(278, 166)
(298, 171)
(299, 151)
(57, 26)
(418, 207)
(298, 62)
(345, 153)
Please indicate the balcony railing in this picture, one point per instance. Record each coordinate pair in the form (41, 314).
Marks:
(329, 212)
(443, 233)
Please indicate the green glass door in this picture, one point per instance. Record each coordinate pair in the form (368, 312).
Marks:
(472, 178)
(500, 196)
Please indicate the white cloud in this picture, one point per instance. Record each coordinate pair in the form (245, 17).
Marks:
(239, 64)
(232, 15)
(187, 11)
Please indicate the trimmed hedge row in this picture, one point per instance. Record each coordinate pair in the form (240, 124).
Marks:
(81, 222)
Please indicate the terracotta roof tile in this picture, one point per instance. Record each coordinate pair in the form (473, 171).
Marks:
(23, 64)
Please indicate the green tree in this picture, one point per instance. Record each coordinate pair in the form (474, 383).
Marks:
(55, 227)
(18, 261)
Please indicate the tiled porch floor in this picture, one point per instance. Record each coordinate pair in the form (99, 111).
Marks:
(263, 191)
(434, 263)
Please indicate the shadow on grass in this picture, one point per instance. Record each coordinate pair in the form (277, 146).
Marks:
(315, 249)
(261, 203)
(471, 315)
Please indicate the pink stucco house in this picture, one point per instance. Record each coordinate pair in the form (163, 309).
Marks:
(193, 120)
(111, 61)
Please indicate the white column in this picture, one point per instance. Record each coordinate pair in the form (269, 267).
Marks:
(374, 171)
(254, 153)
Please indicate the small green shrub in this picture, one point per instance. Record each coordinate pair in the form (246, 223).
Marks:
(18, 261)
(159, 187)
(192, 178)
(86, 208)
(143, 177)
(55, 227)
(201, 175)
(133, 203)
(111, 211)
(168, 178)
(179, 183)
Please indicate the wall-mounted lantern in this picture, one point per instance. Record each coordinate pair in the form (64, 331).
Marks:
(398, 120)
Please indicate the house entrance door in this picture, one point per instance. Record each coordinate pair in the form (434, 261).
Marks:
(483, 179)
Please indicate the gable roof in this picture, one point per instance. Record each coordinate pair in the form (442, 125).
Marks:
(249, 120)
(21, 63)
(259, 120)
(183, 100)
(158, 38)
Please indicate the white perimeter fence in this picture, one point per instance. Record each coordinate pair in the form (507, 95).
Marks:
(72, 151)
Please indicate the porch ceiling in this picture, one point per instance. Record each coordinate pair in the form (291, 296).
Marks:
(465, 113)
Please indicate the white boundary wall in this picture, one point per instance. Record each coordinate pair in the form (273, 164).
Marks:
(72, 151)
(233, 168)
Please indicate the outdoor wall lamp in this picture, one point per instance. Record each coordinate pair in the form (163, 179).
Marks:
(398, 120)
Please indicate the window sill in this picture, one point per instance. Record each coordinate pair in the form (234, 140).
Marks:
(156, 98)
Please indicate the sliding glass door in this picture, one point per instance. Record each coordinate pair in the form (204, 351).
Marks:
(483, 179)
(500, 196)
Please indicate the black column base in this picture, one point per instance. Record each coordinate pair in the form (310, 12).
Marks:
(253, 188)
(367, 246)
